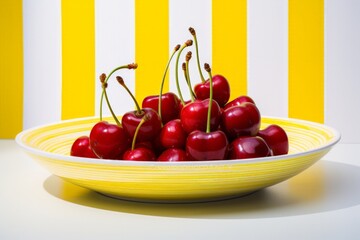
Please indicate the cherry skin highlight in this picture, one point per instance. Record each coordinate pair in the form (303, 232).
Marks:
(276, 138)
(81, 148)
(249, 147)
(193, 116)
(221, 90)
(242, 120)
(173, 135)
(173, 155)
(109, 141)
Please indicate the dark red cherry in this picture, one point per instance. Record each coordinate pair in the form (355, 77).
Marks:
(249, 147)
(242, 120)
(173, 155)
(221, 90)
(277, 139)
(193, 116)
(109, 141)
(173, 135)
(238, 101)
(81, 148)
(139, 154)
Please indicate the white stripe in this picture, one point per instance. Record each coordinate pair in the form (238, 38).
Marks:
(42, 62)
(185, 14)
(342, 68)
(268, 56)
(115, 46)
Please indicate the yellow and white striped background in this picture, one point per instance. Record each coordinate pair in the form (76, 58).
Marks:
(296, 58)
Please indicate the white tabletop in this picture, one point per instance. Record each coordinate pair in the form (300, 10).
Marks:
(320, 203)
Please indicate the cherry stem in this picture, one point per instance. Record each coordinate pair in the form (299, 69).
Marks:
(177, 47)
(143, 120)
(193, 32)
(104, 81)
(110, 108)
(187, 59)
(188, 82)
(122, 83)
(208, 69)
(186, 44)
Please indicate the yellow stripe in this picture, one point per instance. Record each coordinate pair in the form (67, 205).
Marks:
(11, 68)
(229, 47)
(306, 59)
(151, 46)
(78, 58)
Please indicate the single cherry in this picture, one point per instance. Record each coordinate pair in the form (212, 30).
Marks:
(141, 153)
(221, 90)
(193, 115)
(81, 148)
(173, 155)
(173, 135)
(169, 106)
(131, 120)
(209, 145)
(238, 101)
(108, 141)
(277, 139)
(249, 147)
(242, 120)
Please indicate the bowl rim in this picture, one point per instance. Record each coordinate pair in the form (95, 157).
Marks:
(95, 161)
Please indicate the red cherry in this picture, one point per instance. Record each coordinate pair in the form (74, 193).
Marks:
(249, 147)
(173, 135)
(81, 148)
(173, 155)
(139, 154)
(193, 116)
(149, 130)
(242, 120)
(108, 141)
(170, 106)
(238, 101)
(221, 90)
(131, 120)
(276, 138)
(207, 146)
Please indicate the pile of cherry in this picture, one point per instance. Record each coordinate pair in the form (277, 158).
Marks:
(206, 127)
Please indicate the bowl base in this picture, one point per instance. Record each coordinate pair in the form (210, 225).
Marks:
(177, 201)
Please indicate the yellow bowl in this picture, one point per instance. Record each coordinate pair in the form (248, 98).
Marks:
(175, 181)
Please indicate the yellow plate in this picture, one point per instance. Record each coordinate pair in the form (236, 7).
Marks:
(175, 181)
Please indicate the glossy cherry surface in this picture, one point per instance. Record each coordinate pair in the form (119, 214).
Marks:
(139, 154)
(238, 101)
(173, 155)
(221, 90)
(242, 120)
(81, 148)
(248, 147)
(277, 139)
(173, 135)
(207, 146)
(170, 106)
(108, 140)
(193, 116)
(150, 129)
